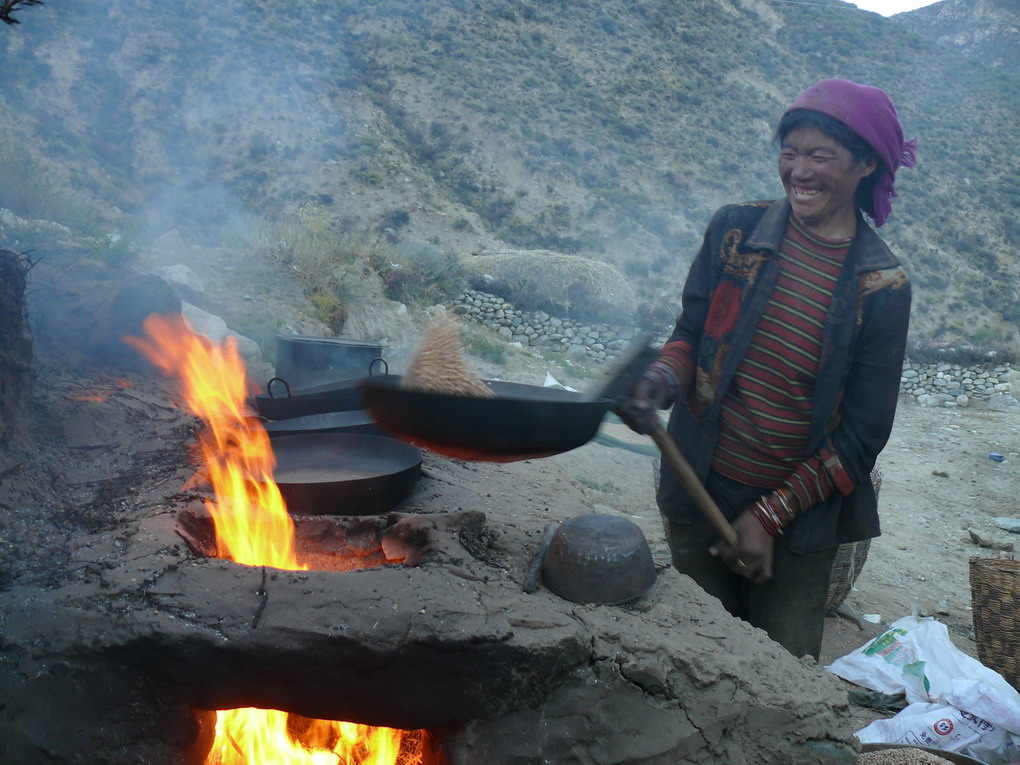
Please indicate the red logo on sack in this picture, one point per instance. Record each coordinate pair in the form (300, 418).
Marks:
(944, 726)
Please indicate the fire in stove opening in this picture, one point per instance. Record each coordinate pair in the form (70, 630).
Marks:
(251, 736)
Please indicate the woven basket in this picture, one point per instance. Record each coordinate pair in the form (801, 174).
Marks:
(850, 559)
(995, 597)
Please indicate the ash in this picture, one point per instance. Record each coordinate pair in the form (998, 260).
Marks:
(96, 453)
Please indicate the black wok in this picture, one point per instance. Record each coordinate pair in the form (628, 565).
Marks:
(525, 421)
(355, 421)
(344, 473)
(519, 422)
(281, 401)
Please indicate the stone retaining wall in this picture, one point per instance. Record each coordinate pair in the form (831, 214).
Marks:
(948, 384)
(578, 340)
(928, 383)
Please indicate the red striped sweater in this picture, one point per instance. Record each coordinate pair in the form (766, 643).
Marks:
(765, 419)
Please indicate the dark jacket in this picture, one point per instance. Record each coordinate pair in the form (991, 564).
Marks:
(857, 386)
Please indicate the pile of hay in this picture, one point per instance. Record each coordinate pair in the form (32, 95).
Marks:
(568, 285)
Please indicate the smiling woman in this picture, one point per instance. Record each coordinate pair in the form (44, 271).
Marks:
(821, 178)
(783, 369)
(863, 121)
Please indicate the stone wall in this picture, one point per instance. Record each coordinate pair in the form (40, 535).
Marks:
(947, 384)
(578, 340)
(927, 383)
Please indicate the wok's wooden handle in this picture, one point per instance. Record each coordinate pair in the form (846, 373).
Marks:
(672, 454)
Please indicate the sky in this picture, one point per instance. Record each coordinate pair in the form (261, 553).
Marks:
(889, 7)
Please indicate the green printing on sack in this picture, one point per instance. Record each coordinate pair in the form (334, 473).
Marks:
(888, 647)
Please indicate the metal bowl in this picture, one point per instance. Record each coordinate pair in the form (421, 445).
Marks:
(598, 559)
(344, 473)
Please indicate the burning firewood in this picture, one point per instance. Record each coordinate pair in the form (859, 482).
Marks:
(439, 367)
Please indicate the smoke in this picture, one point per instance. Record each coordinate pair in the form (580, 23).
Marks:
(183, 115)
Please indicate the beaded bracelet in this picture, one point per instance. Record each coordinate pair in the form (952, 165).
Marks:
(786, 508)
(768, 518)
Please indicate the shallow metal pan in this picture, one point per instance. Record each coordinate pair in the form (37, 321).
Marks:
(344, 473)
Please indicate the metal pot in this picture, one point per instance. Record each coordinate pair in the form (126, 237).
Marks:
(310, 361)
(344, 473)
(519, 422)
(598, 559)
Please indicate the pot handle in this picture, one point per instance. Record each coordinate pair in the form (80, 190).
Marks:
(535, 569)
(381, 360)
(269, 386)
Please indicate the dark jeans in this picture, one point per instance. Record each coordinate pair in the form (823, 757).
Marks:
(790, 607)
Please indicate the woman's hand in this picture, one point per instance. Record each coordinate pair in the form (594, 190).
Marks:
(751, 556)
(639, 409)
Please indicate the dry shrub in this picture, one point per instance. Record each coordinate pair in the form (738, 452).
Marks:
(561, 284)
(331, 263)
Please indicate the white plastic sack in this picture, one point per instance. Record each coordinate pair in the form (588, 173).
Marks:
(1001, 707)
(916, 657)
(943, 726)
(957, 703)
(552, 382)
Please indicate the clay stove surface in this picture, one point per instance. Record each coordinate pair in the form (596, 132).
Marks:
(105, 659)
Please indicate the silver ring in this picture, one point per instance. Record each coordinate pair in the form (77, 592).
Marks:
(741, 563)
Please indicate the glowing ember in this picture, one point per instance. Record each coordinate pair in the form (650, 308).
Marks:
(252, 522)
(253, 527)
(100, 395)
(97, 398)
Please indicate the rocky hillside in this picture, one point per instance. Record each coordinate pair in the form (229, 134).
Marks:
(985, 29)
(606, 129)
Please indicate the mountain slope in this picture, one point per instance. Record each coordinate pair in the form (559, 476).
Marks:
(985, 29)
(609, 129)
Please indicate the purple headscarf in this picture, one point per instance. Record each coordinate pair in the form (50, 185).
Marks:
(868, 112)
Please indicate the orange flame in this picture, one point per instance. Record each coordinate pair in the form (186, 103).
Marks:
(253, 527)
(262, 736)
(251, 519)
